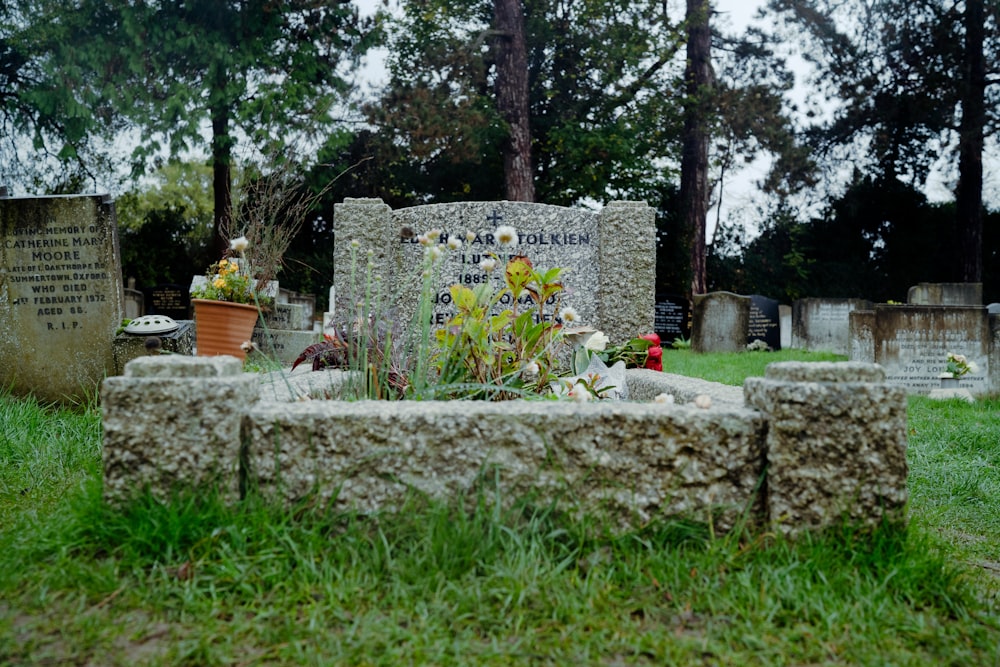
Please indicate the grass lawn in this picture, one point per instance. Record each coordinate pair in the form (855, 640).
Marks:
(194, 582)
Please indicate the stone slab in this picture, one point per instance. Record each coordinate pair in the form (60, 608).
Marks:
(61, 294)
(719, 323)
(824, 324)
(945, 294)
(609, 257)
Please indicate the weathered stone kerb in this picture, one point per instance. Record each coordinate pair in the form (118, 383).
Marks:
(831, 439)
(836, 443)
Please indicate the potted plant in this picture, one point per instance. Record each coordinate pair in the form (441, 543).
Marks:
(227, 305)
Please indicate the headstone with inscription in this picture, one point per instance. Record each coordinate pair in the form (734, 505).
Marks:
(174, 301)
(673, 317)
(720, 322)
(608, 256)
(765, 322)
(824, 324)
(912, 343)
(61, 294)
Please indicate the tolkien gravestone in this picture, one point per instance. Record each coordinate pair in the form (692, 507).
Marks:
(672, 318)
(60, 294)
(765, 322)
(609, 257)
(720, 322)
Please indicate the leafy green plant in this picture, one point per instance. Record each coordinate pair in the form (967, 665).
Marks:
(503, 352)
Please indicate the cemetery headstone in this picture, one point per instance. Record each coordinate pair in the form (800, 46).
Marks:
(824, 324)
(765, 322)
(720, 322)
(174, 301)
(61, 294)
(912, 344)
(945, 294)
(672, 317)
(609, 256)
(785, 319)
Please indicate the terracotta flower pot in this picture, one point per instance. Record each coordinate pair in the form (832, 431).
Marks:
(222, 327)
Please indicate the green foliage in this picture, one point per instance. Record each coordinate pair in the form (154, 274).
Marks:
(601, 84)
(500, 351)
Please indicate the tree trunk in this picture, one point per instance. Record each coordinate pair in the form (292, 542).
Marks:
(221, 179)
(512, 99)
(969, 193)
(694, 157)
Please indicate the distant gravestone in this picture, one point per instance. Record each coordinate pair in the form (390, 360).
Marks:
(609, 257)
(719, 323)
(945, 294)
(765, 321)
(672, 317)
(912, 343)
(785, 318)
(61, 294)
(824, 324)
(174, 301)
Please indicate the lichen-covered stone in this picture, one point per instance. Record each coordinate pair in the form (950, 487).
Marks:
(174, 421)
(835, 450)
(636, 461)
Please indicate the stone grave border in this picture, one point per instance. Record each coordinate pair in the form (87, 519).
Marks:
(810, 445)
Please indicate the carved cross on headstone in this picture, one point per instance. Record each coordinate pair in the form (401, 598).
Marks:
(494, 217)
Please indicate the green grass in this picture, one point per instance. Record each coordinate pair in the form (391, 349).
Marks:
(196, 582)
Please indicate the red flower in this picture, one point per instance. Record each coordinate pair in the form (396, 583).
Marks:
(654, 357)
(652, 338)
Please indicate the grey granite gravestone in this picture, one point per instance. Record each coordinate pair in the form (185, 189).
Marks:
(61, 294)
(609, 257)
(719, 323)
(824, 324)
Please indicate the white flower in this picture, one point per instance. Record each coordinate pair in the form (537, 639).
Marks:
(488, 265)
(569, 315)
(579, 393)
(470, 236)
(454, 243)
(506, 235)
(434, 234)
(973, 367)
(435, 253)
(703, 401)
(596, 342)
(239, 244)
(667, 399)
(355, 243)
(531, 370)
(423, 240)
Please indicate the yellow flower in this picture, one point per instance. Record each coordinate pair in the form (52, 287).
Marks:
(219, 283)
(222, 263)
